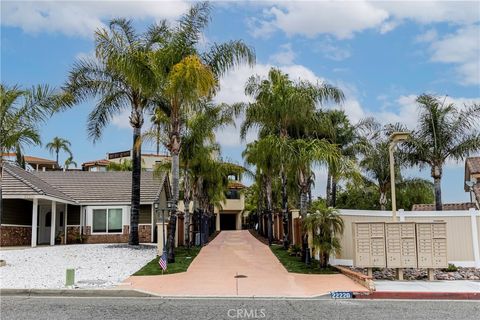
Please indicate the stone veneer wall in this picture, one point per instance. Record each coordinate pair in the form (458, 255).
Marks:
(88, 237)
(15, 236)
(145, 233)
(72, 234)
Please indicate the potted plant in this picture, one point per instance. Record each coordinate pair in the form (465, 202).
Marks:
(59, 238)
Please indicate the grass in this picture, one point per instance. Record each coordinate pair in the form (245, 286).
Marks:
(294, 264)
(183, 258)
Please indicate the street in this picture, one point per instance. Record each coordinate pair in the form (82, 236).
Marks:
(214, 308)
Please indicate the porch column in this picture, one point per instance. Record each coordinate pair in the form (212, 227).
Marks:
(217, 222)
(52, 223)
(34, 222)
(65, 216)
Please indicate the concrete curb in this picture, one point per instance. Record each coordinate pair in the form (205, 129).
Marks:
(411, 295)
(77, 293)
(361, 279)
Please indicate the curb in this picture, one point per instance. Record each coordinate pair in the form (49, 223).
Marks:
(413, 295)
(361, 279)
(114, 293)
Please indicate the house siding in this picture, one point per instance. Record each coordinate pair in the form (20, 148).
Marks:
(145, 214)
(17, 212)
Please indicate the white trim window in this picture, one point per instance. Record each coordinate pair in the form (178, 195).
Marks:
(107, 220)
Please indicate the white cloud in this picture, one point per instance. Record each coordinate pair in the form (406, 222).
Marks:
(81, 18)
(343, 19)
(427, 36)
(462, 49)
(310, 18)
(285, 56)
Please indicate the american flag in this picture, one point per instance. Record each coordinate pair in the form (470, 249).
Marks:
(163, 261)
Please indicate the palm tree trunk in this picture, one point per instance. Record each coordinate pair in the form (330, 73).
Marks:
(136, 174)
(286, 243)
(437, 183)
(268, 186)
(158, 139)
(334, 192)
(57, 158)
(186, 201)
(172, 225)
(329, 189)
(303, 214)
(383, 200)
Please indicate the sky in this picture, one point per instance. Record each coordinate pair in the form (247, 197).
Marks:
(381, 54)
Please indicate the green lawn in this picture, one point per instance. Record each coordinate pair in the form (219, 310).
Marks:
(294, 264)
(183, 258)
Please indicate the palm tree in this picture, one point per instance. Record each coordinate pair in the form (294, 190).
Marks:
(57, 145)
(443, 132)
(183, 76)
(326, 226)
(69, 161)
(280, 106)
(112, 77)
(21, 112)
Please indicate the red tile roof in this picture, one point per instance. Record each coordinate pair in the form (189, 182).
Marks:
(446, 206)
(473, 164)
(101, 162)
(31, 159)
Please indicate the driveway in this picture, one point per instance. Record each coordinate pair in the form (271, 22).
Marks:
(234, 253)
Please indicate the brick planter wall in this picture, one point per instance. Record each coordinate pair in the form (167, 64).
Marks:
(145, 233)
(88, 237)
(15, 236)
(72, 234)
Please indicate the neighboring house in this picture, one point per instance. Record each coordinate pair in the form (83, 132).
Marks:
(446, 206)
(472, 173)
(149, 160)
(95, 165)
(33, 163)
(92, 206)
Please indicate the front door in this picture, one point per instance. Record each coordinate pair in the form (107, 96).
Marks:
(44, 223)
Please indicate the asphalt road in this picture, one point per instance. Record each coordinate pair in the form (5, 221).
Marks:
(157, 308)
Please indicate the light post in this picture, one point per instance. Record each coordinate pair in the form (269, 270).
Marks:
(470, 185)
(394, 139)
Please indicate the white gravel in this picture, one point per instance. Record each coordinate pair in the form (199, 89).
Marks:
(96, 265)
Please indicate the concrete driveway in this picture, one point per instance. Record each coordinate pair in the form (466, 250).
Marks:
(238, 252)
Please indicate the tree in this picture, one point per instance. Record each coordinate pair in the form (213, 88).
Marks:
(183, 76)
(57, 145)
(281, 105)
(21, 112)
(69, 161)
(444, 132)
(326, 226)
(112, 77)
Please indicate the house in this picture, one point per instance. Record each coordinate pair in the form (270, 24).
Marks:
(149, 160)
(33, 163)
(446, 206)
(93, 207)
(472, 179)
(95, 165)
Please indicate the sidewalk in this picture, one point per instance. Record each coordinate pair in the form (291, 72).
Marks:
(435, 290)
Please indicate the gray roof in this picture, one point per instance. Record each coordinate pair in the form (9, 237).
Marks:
(103, 187)
(83, 187)
(18, 182)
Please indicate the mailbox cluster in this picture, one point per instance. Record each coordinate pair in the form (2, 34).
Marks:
(400, 244)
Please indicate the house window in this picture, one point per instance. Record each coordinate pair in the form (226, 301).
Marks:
(107, 220)
(232, 194)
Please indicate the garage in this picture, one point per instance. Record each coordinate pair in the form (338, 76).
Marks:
(228, 221)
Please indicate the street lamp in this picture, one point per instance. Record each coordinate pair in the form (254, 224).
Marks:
(470, 185)
(394, 139)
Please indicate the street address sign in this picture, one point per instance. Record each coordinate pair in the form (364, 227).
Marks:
(341, 294)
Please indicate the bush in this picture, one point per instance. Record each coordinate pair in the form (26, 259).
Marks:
(451, 268)
(295, 250)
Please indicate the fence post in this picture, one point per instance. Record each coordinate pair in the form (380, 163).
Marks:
(401, 214)
(476, 251)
